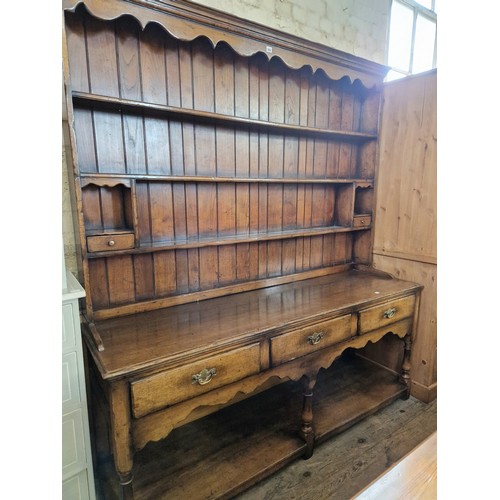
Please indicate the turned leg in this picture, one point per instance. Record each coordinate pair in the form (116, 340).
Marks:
(307, 431)
(127, 492)
(121, 437)
(406, 366)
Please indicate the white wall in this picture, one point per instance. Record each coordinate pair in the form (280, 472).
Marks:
(358, 27)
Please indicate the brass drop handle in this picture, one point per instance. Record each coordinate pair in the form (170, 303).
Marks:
(111, 243)
(315, 338)
(390, 312)
(204, 377)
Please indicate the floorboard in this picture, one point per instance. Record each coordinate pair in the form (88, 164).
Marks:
(414, 476)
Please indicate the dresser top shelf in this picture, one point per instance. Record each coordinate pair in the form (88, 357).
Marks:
(117, 104)
(171, 335)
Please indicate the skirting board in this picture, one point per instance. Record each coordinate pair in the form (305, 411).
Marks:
(425, 393)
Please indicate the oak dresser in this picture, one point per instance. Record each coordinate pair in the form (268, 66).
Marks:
(223, 177)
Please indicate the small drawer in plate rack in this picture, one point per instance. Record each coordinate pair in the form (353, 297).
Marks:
(110, 242)
(362, 220)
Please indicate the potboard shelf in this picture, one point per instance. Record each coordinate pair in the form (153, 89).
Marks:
(217, 456)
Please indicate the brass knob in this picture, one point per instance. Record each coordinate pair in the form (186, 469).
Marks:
(204, 377)
(315, 338)
(111, 243)
(390, 312)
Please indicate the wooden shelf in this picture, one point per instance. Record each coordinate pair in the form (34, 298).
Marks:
(228, 240)
(108, 231)
(104, 179)
(219, 455)
(84, 99)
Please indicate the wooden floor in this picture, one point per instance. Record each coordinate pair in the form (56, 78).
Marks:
(345, 464)
(414, 476)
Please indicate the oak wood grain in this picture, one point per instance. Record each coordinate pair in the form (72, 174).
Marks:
(132, 342)
(239, 181)
(183, 121)
(260, 443)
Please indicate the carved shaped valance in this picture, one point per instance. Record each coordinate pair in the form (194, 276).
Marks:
(186, 21)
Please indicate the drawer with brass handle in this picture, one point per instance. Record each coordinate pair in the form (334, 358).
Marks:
(300, 342)
(192, 379)
(315, 338)
(385, 314)
(204, 377)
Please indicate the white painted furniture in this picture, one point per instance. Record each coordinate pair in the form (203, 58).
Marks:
(77, 472)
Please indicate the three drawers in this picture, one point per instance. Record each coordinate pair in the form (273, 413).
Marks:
(301, 342)
(185, 382)
(188, 381)
(386, 314)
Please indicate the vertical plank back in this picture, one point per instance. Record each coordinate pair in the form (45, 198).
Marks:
(194, 236)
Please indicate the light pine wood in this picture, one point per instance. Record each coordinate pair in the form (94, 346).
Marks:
(424, 350)
(406, 183)
(405, 214)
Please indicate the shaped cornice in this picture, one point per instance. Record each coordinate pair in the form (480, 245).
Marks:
(186, 21)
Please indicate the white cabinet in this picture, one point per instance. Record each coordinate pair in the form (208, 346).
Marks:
(77, 472)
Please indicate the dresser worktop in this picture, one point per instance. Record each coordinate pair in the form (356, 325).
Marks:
(171, 335)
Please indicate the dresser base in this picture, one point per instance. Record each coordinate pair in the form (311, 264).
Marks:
(227, 452)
